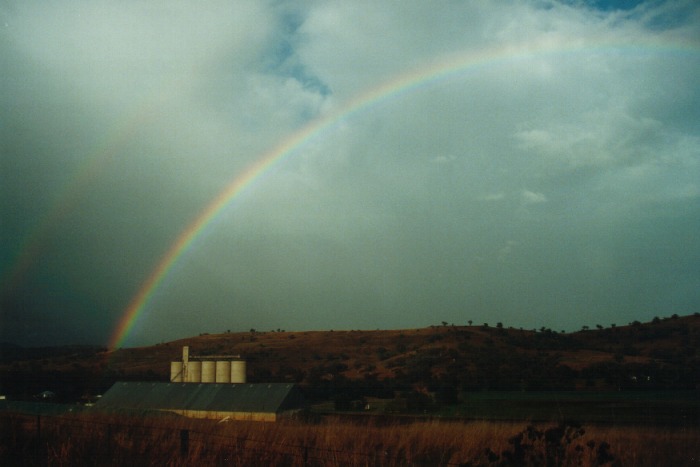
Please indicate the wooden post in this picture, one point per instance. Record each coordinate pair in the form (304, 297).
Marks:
(40, 450)
(184, 442)
(109, 438)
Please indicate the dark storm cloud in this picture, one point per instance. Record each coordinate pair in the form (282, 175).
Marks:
(548, 189)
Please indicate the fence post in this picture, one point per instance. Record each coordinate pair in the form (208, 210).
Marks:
(184, 442)
(40, 451)
(109, 438)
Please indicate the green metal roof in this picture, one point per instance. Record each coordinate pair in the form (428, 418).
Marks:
(247, 397)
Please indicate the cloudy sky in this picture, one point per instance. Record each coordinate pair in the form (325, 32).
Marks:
(535, 163)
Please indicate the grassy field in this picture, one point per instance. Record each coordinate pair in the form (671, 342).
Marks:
(649, 408)
(673, 408)
(91, 438)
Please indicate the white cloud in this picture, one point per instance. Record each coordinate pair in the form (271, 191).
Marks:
(127, 49)
(531, 197)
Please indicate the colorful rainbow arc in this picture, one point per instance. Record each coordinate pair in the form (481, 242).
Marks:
(437, 73)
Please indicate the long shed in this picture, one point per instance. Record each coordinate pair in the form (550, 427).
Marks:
(261, 402)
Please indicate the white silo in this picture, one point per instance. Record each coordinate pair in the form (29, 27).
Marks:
(194, 372)
(176, 372)
(208, 372)
(238, 371)
(223, 371)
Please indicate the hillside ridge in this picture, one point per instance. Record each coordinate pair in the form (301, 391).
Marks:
(661, 354)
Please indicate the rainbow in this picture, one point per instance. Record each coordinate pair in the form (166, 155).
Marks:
(438, 72)
(88, 172)
(70, 195)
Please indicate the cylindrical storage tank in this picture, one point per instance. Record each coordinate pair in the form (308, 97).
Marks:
(223, 371)
(238, 371)
(194, 372)
(208, 372)
(176, 372)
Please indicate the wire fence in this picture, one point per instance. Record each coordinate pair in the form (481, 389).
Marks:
(76, 440)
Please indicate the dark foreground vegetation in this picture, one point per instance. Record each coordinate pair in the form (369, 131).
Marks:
(114, 440)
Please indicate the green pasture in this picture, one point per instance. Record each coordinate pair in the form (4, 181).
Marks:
(651, 408)
(638, 408)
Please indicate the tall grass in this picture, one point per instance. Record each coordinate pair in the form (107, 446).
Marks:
(115, 440)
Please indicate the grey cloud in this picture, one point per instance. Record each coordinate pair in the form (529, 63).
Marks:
(554, 187)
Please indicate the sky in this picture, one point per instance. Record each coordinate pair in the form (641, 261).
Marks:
(377, 165)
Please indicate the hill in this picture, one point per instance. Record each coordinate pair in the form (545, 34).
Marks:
(662, 354)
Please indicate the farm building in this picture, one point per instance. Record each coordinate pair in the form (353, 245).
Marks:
(259, 402)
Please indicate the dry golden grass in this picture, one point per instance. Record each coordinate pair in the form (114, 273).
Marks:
(651, 446)
(108, 440)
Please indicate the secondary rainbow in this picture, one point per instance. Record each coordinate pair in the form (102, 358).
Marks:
(437, 72)
(70, 195)
(88, 173)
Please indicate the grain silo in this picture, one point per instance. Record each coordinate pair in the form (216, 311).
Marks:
(223, 371)
(208, 371)
(176, 375)
(194, 372)
(238, 371)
